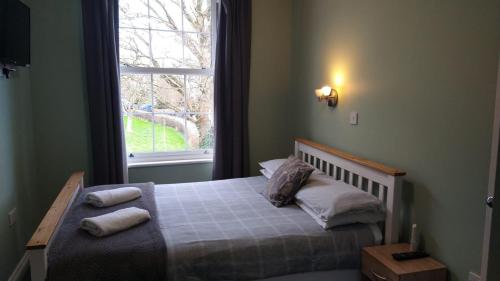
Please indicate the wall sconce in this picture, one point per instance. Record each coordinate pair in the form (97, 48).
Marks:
(329, 95)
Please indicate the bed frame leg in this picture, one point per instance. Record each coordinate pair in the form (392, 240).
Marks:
(38, 264)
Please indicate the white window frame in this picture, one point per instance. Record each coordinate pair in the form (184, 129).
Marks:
(170, 158)
(182, 156)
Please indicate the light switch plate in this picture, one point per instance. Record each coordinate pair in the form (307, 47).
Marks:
(353, 118)
(474, 277)
(12, 217)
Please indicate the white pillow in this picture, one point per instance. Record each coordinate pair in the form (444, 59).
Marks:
(272, 165)
(266, 173)
(331, 202)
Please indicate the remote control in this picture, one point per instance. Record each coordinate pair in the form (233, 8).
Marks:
(409, 256)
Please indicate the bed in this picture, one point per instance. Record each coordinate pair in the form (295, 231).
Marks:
(225, 230)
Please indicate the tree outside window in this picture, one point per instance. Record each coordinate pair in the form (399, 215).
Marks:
(166, 51)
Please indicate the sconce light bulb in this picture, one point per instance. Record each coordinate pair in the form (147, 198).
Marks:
(326, 91)
(318, 93)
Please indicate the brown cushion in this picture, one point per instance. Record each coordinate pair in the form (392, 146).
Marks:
(287, 181)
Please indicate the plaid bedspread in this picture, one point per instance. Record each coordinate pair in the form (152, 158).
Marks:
(226, 230)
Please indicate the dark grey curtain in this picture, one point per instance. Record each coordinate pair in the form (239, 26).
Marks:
(100, 31)
(232, 76)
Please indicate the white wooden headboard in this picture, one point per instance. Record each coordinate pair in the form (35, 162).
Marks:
(375, 178)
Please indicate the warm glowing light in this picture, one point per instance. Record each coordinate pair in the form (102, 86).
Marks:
(326, 90)
(339, 80)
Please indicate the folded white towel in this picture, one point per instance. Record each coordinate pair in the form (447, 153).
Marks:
(114, 222)
(112, 197)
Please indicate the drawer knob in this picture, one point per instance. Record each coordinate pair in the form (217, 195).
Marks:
(378, 276)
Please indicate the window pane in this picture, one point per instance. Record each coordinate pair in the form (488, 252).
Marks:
(168, 94)
(197, 15)
(136, 106)
(134, 13)
(164, 113)
(134, 47)
(166, 14)
(197, 50)
(138, 132)
(200, 134)
(167, 48)
(169, 132)
(136, 92)
(200, 93)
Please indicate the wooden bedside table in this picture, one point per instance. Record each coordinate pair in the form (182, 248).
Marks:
(378, 265)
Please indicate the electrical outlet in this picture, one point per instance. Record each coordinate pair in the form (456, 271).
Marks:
(12, 217)
(474, 277)
(353, 118)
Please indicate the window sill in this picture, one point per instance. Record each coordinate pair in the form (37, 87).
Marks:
(144, 164)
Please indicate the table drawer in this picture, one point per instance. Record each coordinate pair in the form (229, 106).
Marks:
(432, 275)
(375, 270)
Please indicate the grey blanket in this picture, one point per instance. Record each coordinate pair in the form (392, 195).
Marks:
(226, 230)
(138, 253)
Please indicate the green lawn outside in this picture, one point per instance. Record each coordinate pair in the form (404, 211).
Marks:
(140, 138)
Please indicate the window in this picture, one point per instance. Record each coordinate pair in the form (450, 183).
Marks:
(166, 57)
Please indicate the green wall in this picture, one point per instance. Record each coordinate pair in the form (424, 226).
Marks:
(17, 189)
(60, 110)
(43, 123)
(269, 113)
(422, 75)
(171, 173)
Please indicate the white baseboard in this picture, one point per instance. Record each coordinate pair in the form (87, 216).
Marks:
(21, 268)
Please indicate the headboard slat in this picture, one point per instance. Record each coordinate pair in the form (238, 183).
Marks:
(370, 186)
(381, 193)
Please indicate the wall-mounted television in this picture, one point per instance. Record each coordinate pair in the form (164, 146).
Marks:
(14, 33)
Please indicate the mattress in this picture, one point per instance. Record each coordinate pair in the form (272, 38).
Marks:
(225, 230)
